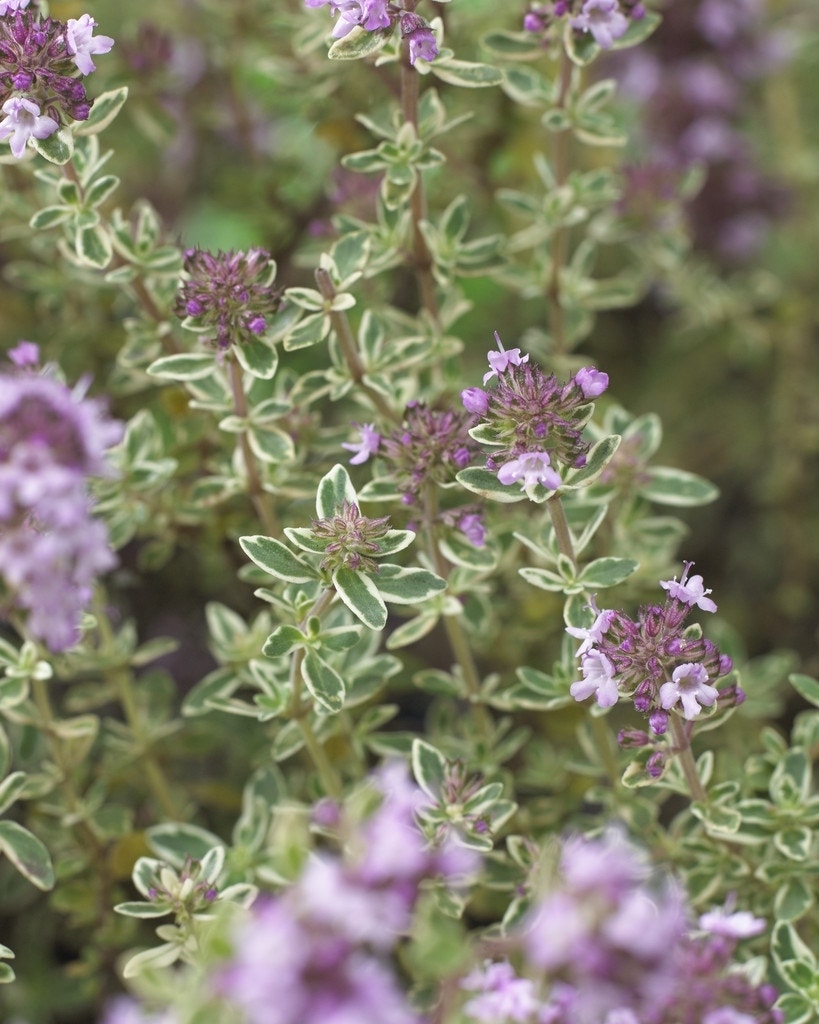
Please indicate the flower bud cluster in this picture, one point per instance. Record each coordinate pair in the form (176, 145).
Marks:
(41, 60)
(430, 446)
(51, 548)
(187, 892)
(382, 16)
(656, 659)
(606, 20)
(229, 293)
(534, 421)
(353, 538)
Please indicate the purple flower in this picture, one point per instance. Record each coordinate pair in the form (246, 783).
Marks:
(51, 548)
(591, 382)
(503, 995)
(475, 400)
(594, 634)
(422, 44)
(25, 354)
(689, 686)
(9, 6)
(598, 679)
(471, 526)
(603, 19)
(500, 361)
(689, 591)
(125, 1010)
(724, 921)
(23, 121)
(365, 447)
(81, 42)
(532, 468)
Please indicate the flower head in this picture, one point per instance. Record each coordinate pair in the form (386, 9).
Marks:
(431, 446)
(51, 548)
(655, 658)
(82, 43)
(229, 293)
(502, 995)
(352, 538)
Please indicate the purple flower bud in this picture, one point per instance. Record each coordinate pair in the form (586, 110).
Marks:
(25, 354)
(471, 526)
(656, 764)
(591, 382)
(658, 722)
(475, 400)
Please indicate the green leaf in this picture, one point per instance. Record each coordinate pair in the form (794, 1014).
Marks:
(11, 787)
(793, 900)
(309, 331)
(805, 686)
(258, 358)
(333, 489)
(185, 366)
(393, 541)
(458, 550)
(161, 956)
(521, 45)
(358, 43)
(49, 217)
(361, 596)
(323, 682)
(794, 843)
(407, 586)
(99, 191)
(606, 572)
(27, 853)
(93, 246)
(103, 111)
(486, 483)
(544, 579)
(175, 841)
(786, 946)
(276, 559)
(597, 460)
(429, 768)
(271, 445)
(136, 908)
(669, 486)
(57, 148)
(411, 631)
(282, 641)
(466, 74)
(796, 1008)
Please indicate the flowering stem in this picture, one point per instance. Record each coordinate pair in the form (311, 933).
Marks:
(561, 528)
(349, 349)
(560, 238)
(458, 642)
(260, 498)
(122, 679)
(299, 710)
(683, 749)
(39, 690)
(422, 258)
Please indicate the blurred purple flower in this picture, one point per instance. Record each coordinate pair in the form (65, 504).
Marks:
(604, 19)
(51, 548)
(368, 444)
